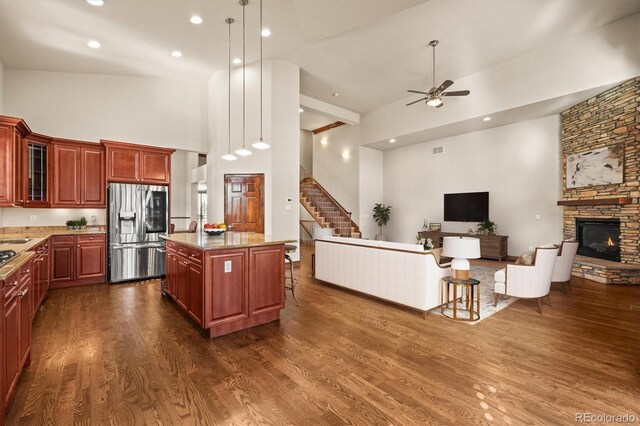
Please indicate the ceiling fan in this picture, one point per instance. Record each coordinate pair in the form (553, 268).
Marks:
(434, 96)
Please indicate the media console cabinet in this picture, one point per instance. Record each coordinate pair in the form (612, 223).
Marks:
(491, 246)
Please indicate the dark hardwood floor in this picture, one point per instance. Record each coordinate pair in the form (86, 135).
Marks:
(124, 355)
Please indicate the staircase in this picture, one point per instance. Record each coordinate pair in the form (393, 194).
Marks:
(326, 211)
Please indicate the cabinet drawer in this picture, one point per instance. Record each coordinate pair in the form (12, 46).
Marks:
(62, 240)
(171, 245)
(91, 238)
(11, 286)
(194, 255)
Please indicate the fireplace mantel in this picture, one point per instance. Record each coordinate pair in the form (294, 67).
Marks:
(620, 201)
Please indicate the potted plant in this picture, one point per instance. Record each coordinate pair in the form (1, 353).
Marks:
(381, 214)
(487, 227)
(70, 224)
(82, 223)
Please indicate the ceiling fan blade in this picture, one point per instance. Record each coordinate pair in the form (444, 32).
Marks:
(444, 86)
(458, 93)
(417, 91)
(414, 102)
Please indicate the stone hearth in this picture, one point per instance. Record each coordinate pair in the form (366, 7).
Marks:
(610, 118)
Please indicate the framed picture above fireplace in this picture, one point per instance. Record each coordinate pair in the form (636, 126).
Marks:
(596, 167)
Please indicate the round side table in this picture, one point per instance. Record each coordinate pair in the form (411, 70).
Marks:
(471, 295)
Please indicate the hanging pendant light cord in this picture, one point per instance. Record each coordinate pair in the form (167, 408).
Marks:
(261, 70)
(230, 21)
(243, 75)
(434, 67)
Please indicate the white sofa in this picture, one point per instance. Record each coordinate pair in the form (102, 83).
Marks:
(397, 272)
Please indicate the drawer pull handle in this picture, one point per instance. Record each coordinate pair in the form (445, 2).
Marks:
(21, 293)
(14, 284)
(26, 272)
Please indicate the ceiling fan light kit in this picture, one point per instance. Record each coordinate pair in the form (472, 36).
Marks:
(434, 96)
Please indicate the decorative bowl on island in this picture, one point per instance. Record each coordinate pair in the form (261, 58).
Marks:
(214, 228)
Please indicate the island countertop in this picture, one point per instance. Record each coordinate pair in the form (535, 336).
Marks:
(228, 240)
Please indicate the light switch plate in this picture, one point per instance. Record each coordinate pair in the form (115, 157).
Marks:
(227, 266)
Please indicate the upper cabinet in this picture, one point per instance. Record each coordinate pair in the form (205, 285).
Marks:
(36, 166)
(78, 174)
(12, 130)
(137, 163)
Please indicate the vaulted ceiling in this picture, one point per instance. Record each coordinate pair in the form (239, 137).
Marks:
(370, 51)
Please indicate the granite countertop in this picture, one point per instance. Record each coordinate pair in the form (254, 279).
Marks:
(35, 237)
(227, 240)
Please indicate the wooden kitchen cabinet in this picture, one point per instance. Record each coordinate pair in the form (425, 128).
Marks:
(78, 174)
(78, 260)
(131, 163)
(16, 329)
(12, 130)
(265, 279)
(36, 165)
(62, 256)
(40, 274)
(195, 305)
(90, 256)
(182, 283)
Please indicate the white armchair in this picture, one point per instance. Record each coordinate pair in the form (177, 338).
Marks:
(527, 281)
(564, 263)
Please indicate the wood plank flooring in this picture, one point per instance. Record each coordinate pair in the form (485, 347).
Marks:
(123, 355)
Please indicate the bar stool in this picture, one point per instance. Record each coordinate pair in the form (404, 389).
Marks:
(290, 248)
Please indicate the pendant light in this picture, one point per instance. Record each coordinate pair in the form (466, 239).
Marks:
(243, 151)
(261, 144)
(229, 156)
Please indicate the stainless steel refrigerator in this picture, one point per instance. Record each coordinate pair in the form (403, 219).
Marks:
(137, 216)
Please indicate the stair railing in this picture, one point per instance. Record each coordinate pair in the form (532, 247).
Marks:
(305, 175)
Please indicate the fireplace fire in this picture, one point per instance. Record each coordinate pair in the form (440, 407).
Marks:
(599, 238)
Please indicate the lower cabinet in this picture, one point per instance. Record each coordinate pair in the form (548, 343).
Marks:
(78, 260)
(40, 275)
(16, 329)
(227, 290)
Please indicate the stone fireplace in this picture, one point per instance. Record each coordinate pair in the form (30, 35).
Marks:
(598, 212)
(598, 238)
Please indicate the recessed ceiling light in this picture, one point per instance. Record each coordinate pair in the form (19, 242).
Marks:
(336, 94)
(195, 19)
(176, 54)
(392, 140)
(324, 141)
(300, 109)
(237, 61)
(95, 2)
(346, 154)
(486, 119)
(94, 44)
(266, 32)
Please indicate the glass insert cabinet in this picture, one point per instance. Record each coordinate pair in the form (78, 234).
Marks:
(36, 165)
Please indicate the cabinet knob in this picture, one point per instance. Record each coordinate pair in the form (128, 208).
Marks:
(14, 284)
(26, 272)
(21, 293)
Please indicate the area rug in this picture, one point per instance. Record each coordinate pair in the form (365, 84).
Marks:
(485, 275)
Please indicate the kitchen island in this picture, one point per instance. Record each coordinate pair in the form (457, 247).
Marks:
(226, 283)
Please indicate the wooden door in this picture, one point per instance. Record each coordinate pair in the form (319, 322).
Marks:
(195, 292)
(25, 306)
(66, 176)
(182, 283)
(37, 289)
(92, 185)
(123, 164)
(244, 202)
(266, 279)
(62, 254)
(11, 345)
(90, 260)
(226, 290)
(19, 169)
(169, 256)
(6, 166)
(156, 167)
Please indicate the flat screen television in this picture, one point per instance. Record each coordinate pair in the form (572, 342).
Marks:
(466, 207)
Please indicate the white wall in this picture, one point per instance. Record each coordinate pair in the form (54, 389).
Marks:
(306, 150)
(18, 216)
(518, 164)
(1, 88)
(154, 111)
(336, 174)
(280, 163)
(370, 189)
(182, 194)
